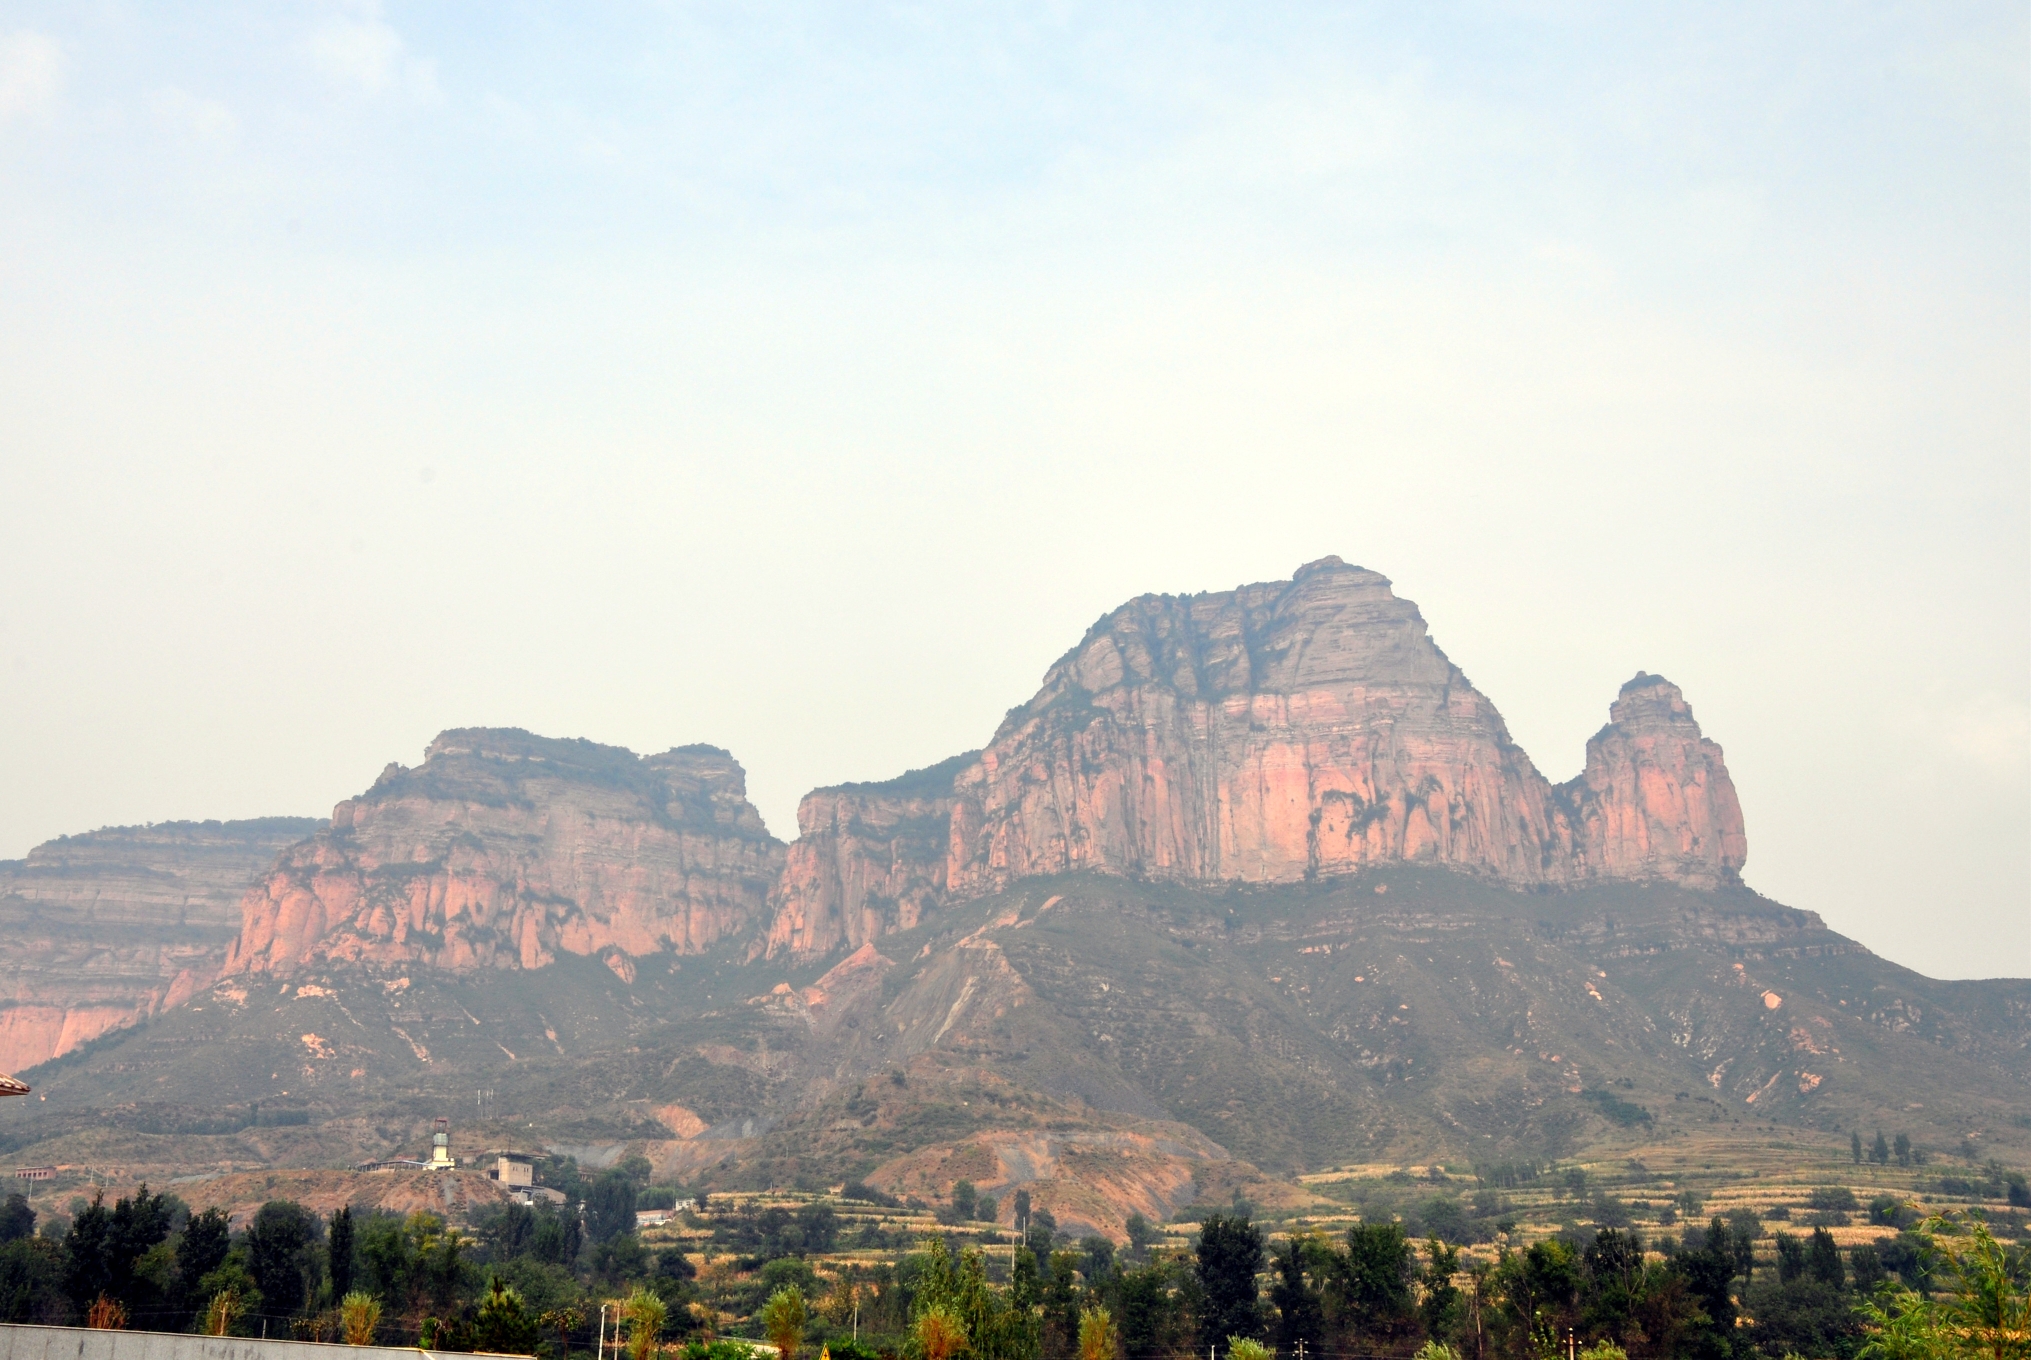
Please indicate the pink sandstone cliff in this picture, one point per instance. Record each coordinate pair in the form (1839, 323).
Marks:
(103, 929)
(503, 850)
(1655, 800)
(1268, 734)
(1261, 735)
(869, 859)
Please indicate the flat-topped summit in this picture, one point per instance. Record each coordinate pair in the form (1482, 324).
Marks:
(504, 849)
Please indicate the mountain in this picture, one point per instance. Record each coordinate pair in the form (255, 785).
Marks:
(504, 850)
(1256, 884)
(101, 929)
(1271, 734)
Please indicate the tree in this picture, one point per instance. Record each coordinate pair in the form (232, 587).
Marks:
(102, 1258)
(279, 1242)
(564, 1321)
(1300, 1318)
(1042, 1231)
(1903, 1152)
(645, 1315)
(936, 1334)
(31, 1281)
(359, 1318)
(992, 1324)
(1061, 1306)
(964, 1201)
(1707, 1274)
(17, 1220)
(1880, 1152)
(1823, 1260)
(203, 1245)
(1147, 1305)
(1855, 1144)
(783, 1319)
(610, 1207)
(1982, 1305)
(1438, 1297)
(1790, 1258)
(85, 1249)
(223, 1313)
(1537, 1287)
(555, 1238)
(1617, 1284)
(1372, 1280)
(1097, 1338)
(1246, 1348)
(1140, 1235)
(1230, 1255)
(505, 1327)
(338, 1251)
(1096, 1258)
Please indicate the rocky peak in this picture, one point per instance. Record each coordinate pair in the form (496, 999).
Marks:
(1264, 734)
(504, 848)
(1655, 800)
(1330, 624)
(1279, 731)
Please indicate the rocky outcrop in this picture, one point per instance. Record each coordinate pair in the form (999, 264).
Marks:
(1655, 801)
(1269, 734)
(1263, 735)
(504, 849)
(869, 859)
(109, 927)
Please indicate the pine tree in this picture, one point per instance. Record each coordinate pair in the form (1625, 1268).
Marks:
(1230, 1256)
(339, 1252)
(1855, 1138)
(1823, 1259)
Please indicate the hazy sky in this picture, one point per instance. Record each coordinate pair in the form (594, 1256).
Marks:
(806, 378)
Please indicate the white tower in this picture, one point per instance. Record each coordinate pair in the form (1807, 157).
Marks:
(440, 1147)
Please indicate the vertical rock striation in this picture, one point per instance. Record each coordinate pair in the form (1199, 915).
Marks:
(109, 927)
(1655, 800)
(504, 849)
(869, 859)
(1268, 734)
(1262, 735)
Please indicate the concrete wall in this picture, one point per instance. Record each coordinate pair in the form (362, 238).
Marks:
(81, 1343)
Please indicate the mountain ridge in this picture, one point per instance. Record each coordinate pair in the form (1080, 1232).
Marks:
(1266, 849)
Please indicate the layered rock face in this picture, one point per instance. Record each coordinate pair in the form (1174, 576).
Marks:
(113, 926)
(1655, 800)
(1268, 734)
(1262, 735)
(869, 859)
(504, 849)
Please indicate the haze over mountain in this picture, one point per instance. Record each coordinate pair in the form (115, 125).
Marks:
(1258, 850)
